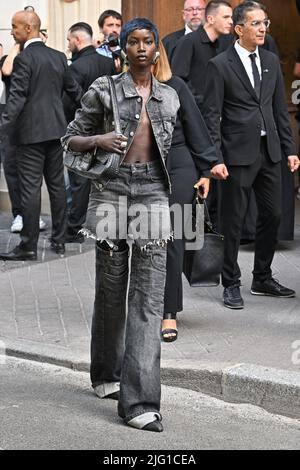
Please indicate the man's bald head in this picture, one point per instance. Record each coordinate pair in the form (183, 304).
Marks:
(25, 25)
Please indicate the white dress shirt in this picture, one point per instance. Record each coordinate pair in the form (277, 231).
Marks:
(188, 30)
(30, 41)
(244, 55)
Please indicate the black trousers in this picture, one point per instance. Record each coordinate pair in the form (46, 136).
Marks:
(183, 175)
(12, 176)
(264, 177)
(287, 224)
(80, 189)
(34, 162)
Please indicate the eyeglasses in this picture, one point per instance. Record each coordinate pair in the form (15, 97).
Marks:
(191, 9)
(257, 24)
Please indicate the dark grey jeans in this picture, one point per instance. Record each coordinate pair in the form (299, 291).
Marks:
(126, 344)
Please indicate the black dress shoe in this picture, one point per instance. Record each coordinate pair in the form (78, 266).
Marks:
(58, 248)
(232, 297)
(272, 288)
(17, 254)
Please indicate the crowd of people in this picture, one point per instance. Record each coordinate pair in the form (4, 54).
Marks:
(202, 112)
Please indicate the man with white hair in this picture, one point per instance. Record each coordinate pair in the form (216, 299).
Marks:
(193, 16)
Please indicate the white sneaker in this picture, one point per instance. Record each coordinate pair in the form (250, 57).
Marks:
(43, 224)
(17, 224)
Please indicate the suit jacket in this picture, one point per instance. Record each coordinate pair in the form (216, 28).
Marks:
(233, 112)
(170, 42)
(86, 68)
(34, 111)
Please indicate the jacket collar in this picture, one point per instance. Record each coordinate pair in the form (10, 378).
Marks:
(241, 73)
(33, 42)
(130, 90)
(88, 50)
(204, 36)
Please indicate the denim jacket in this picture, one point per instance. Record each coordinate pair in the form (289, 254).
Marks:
(95, 116)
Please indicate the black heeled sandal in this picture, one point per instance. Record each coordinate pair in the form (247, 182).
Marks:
(169, 331)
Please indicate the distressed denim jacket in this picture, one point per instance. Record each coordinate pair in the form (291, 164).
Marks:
(95, 115)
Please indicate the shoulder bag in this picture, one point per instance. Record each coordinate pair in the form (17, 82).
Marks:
(98, 164)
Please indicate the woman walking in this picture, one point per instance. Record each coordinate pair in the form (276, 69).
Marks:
(125, 350)
(191, 157)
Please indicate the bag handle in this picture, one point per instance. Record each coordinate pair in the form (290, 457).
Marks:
(201, 201)
(207, 220)
(114, 105)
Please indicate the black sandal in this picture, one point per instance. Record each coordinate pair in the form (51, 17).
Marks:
(169, 331)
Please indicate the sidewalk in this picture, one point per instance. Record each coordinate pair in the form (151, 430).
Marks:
(250, 355)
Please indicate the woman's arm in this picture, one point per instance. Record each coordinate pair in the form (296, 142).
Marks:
(8, 64)
(110, 142)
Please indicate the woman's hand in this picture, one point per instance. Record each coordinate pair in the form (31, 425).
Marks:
(112, 142)
(203, 187)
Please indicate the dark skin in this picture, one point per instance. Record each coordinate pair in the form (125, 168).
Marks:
(141, 51)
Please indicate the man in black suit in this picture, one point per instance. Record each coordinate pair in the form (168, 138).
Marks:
(194, 50)
(86, 68)
(247, 116)
(192, 15)
(34, 112)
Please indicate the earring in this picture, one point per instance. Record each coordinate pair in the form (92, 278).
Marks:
(156, 58)
(124, 57)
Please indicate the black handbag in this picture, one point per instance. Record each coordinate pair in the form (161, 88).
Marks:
(99, 164)
(203, 267)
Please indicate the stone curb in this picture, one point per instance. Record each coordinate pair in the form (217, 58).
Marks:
(277, 391)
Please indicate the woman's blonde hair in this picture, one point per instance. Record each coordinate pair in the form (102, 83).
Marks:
(162, 70)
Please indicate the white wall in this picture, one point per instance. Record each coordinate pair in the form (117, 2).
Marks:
(7, 10)
(56, 15)
(63, 14)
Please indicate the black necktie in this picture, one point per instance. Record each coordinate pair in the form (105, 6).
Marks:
(256, 75)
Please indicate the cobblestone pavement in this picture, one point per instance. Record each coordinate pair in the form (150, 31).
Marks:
(49, 303)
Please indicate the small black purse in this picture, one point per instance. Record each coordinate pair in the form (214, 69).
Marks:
(99, 164)
(203, 267)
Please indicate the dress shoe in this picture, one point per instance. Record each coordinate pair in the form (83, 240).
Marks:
(272, 288)
(232, 297)
(58, 248)
(74, 238)
(17, 254)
